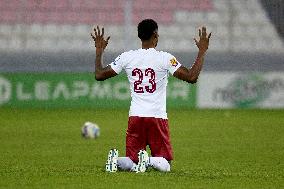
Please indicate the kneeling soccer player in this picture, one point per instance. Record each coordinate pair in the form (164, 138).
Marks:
(147, 70)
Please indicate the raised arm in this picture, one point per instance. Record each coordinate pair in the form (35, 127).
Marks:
(101, 43)
(191, 75)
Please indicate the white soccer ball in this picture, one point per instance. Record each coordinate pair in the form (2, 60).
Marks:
(90, 130)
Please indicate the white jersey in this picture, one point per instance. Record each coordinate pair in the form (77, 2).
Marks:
(147, 71)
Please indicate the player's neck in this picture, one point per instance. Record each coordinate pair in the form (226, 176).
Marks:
(147, 45)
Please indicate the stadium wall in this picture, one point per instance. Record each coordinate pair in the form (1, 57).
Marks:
(73, 61)
(65, 79)
(214, 90)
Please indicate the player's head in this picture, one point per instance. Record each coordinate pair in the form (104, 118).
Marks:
(148, 31)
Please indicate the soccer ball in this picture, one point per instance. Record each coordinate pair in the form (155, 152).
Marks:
(90, 130)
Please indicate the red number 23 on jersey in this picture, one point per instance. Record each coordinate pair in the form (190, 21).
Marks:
(149, 72)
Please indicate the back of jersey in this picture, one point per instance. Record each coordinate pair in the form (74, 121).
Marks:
(147, 71)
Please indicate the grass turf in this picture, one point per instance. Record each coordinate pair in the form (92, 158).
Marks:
(213, 149)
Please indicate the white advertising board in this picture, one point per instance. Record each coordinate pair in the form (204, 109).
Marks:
(240, 90)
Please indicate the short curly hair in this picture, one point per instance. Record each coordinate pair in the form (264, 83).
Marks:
(146, 28)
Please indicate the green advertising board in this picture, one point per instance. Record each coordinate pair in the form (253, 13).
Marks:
(80, 90)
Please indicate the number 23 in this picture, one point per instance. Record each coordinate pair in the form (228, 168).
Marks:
(148, 72)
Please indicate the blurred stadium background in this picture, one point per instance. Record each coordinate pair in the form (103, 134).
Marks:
(49, 36)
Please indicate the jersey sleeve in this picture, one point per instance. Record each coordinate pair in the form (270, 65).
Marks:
(171, 63)
(118, 63)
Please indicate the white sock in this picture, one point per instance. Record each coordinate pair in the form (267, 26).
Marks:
(125, 163)
(160, 163)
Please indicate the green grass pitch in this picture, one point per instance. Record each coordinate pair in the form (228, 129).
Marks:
(212, 148)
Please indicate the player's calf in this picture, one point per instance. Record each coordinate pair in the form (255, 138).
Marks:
(160, 164)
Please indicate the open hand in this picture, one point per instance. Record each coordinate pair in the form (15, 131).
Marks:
(99, 40)
(203, 42)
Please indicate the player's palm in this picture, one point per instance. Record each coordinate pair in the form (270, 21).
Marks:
(203, 41)
(98, 37)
